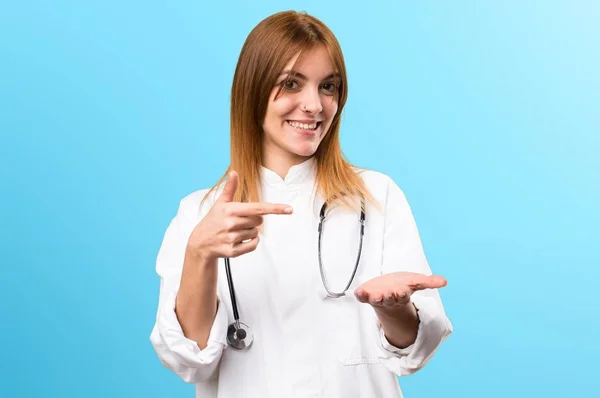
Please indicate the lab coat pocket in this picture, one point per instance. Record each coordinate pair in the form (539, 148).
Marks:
(358, 337)
(353, 357)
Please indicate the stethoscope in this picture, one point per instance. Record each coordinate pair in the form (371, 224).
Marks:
(239, 335)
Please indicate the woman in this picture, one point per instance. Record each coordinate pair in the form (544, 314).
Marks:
(308, 339)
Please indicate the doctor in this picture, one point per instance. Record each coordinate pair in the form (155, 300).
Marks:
(297, 274)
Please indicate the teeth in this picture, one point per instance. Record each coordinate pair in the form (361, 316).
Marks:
(303, 126)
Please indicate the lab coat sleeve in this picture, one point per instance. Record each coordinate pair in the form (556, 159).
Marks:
(175, 351)
(403, 252)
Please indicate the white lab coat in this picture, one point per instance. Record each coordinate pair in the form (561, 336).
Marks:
(305, 344)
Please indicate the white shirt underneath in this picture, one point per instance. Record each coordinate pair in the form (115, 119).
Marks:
(305, 344)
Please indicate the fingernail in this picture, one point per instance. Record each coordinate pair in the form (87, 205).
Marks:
(288, 209)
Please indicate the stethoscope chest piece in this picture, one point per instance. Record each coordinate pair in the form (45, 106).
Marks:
(239, 336)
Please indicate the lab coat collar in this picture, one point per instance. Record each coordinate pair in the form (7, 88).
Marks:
(298, 174)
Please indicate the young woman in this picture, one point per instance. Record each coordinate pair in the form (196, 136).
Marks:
(297, 274)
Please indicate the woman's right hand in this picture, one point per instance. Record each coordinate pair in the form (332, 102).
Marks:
(230, 228)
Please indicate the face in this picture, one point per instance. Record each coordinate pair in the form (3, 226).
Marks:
(298, 119)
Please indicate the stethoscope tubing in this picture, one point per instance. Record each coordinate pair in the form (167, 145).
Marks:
(239, 335)
(236, 314)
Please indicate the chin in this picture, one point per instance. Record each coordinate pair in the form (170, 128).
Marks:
(304, 151)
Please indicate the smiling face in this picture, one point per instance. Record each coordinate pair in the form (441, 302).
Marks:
(299, 117)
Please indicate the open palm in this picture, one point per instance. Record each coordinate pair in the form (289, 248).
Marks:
(395, 289)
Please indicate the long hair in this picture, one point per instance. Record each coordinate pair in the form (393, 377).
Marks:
(265, 53)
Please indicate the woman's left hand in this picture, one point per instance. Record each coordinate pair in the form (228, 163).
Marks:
(395, 289)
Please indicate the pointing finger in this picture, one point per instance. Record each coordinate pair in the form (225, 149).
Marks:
(261, 209)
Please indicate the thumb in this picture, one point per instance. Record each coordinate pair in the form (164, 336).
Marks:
(230, 187)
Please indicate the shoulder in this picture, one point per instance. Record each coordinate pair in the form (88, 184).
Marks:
(380, 185)
(372, 177)
(197, 203)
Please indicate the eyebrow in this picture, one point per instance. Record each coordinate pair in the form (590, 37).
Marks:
(301, 76)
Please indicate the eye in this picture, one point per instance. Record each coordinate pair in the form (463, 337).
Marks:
(329, 87)
(289, 84)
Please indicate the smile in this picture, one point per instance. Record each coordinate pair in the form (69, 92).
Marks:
(304, 126)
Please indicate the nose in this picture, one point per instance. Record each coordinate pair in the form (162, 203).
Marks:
(311, 101)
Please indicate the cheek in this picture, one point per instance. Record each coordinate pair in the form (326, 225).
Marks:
(330, 107)
(280, 108)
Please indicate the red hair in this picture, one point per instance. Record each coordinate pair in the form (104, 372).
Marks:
(264, 55)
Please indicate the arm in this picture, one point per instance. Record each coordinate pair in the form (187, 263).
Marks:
(188, 344)
(188, 336)
(412, 324)
(400, 324)
(196, 303)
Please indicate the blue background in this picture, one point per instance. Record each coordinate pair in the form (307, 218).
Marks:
(486, 114)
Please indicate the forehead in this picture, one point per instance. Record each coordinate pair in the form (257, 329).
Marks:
(314, 63)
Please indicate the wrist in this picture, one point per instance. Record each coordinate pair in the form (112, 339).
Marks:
(400, 324)
(403, 311)
(198, 270)
(197, 267)
(199, 257)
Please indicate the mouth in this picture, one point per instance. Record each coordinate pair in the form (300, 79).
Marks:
(309, 127)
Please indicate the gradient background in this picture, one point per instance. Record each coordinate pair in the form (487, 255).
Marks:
(487, 115)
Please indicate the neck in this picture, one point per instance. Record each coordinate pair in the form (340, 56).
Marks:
(281, 163)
